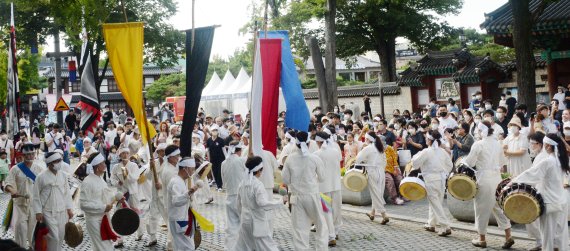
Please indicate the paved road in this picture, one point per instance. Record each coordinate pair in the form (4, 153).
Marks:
(358, 232)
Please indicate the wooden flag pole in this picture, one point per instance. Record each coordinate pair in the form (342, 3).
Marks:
(250, 147)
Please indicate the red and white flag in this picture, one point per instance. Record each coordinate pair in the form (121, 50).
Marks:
(265, 96)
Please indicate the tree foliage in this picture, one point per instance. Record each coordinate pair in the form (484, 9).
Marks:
(479, 44)
(167, 86)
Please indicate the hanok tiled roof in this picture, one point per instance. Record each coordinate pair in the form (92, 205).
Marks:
(554, 19)
(147, 71)
(460, 64)
(512, 66)
(433, 64)
(475, 68)
(357, 90)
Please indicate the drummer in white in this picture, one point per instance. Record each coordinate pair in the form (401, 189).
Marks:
(233, 173)
(374, 159)
(485, 155)
(178, 203)
(435, 164)
(547, 176)
(52, 203)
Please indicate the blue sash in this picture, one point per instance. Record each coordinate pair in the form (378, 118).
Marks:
(26, 171)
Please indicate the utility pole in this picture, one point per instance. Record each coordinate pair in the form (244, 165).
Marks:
(57, 55)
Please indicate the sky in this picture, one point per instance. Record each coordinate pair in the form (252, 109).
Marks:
(233, 14)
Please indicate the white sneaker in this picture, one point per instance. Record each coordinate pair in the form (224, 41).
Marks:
(399, 201)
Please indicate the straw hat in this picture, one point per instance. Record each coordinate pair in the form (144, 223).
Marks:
(516, 121)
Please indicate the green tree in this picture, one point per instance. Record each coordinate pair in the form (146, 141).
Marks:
(167, 86)
(373, 25)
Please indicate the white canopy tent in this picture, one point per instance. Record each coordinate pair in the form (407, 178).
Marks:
(230, 93)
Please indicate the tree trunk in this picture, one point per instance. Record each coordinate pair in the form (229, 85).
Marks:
(317, 58)
(330, 55)
(522, 28)
(386, 50)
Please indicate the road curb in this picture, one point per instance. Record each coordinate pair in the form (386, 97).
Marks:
(459, 226)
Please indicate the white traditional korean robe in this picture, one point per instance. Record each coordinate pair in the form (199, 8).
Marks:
(254, 205)
(178, 202)
(547, 177)
(330, 186)
(302, 174)
(233, 173)
(486, 155)
(157, 208)
(94, 197)
(375, 163)
(435, 164)
(268, 178)
(23, 213)
(52, 198)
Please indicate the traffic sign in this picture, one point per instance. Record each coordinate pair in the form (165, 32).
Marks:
(61, 105)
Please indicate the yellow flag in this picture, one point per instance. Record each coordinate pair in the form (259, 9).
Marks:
(125, 50)
(204, 223)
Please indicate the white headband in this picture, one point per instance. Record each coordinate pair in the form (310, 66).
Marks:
(245, 135)
(484, 129)
(123, 150)
(287, 135)
(370, 138)
(434, 143)
(547, 140)
(187, 163)
(195, 135)
(176, 152)
(55, 156)
(327, 131)
(319, 139)
(304, 147)
(256, 168)
(96, 161)
(160, 146)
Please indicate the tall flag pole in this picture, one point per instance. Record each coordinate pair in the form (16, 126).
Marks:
(89, 102)
(13, 84)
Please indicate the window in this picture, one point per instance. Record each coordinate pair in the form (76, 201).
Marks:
(76, 86)
(112, 85)
(117, 105)
(360, 76)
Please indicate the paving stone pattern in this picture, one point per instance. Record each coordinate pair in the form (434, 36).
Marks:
(358, 232)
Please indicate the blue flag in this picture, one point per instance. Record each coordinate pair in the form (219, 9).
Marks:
(298, 116)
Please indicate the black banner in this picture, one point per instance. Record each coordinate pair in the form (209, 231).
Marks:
(197, 60)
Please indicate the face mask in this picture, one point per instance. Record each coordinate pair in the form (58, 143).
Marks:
(434, 126)
(397, 126)
(503, 98)
(478, 97)
(375, 124)
(490, 119)
(229, 123)
(500, 115)
(57, 167)
(467, 117)
(346, 117)
(443, 114)
(488, 107)
(567, 132)
(412, 130)
(4, 137)
(335, 110)
(513, 129)
(421, 129)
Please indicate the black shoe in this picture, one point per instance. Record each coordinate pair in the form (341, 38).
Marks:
(120, 245)
(151, 244)
(508, 243)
